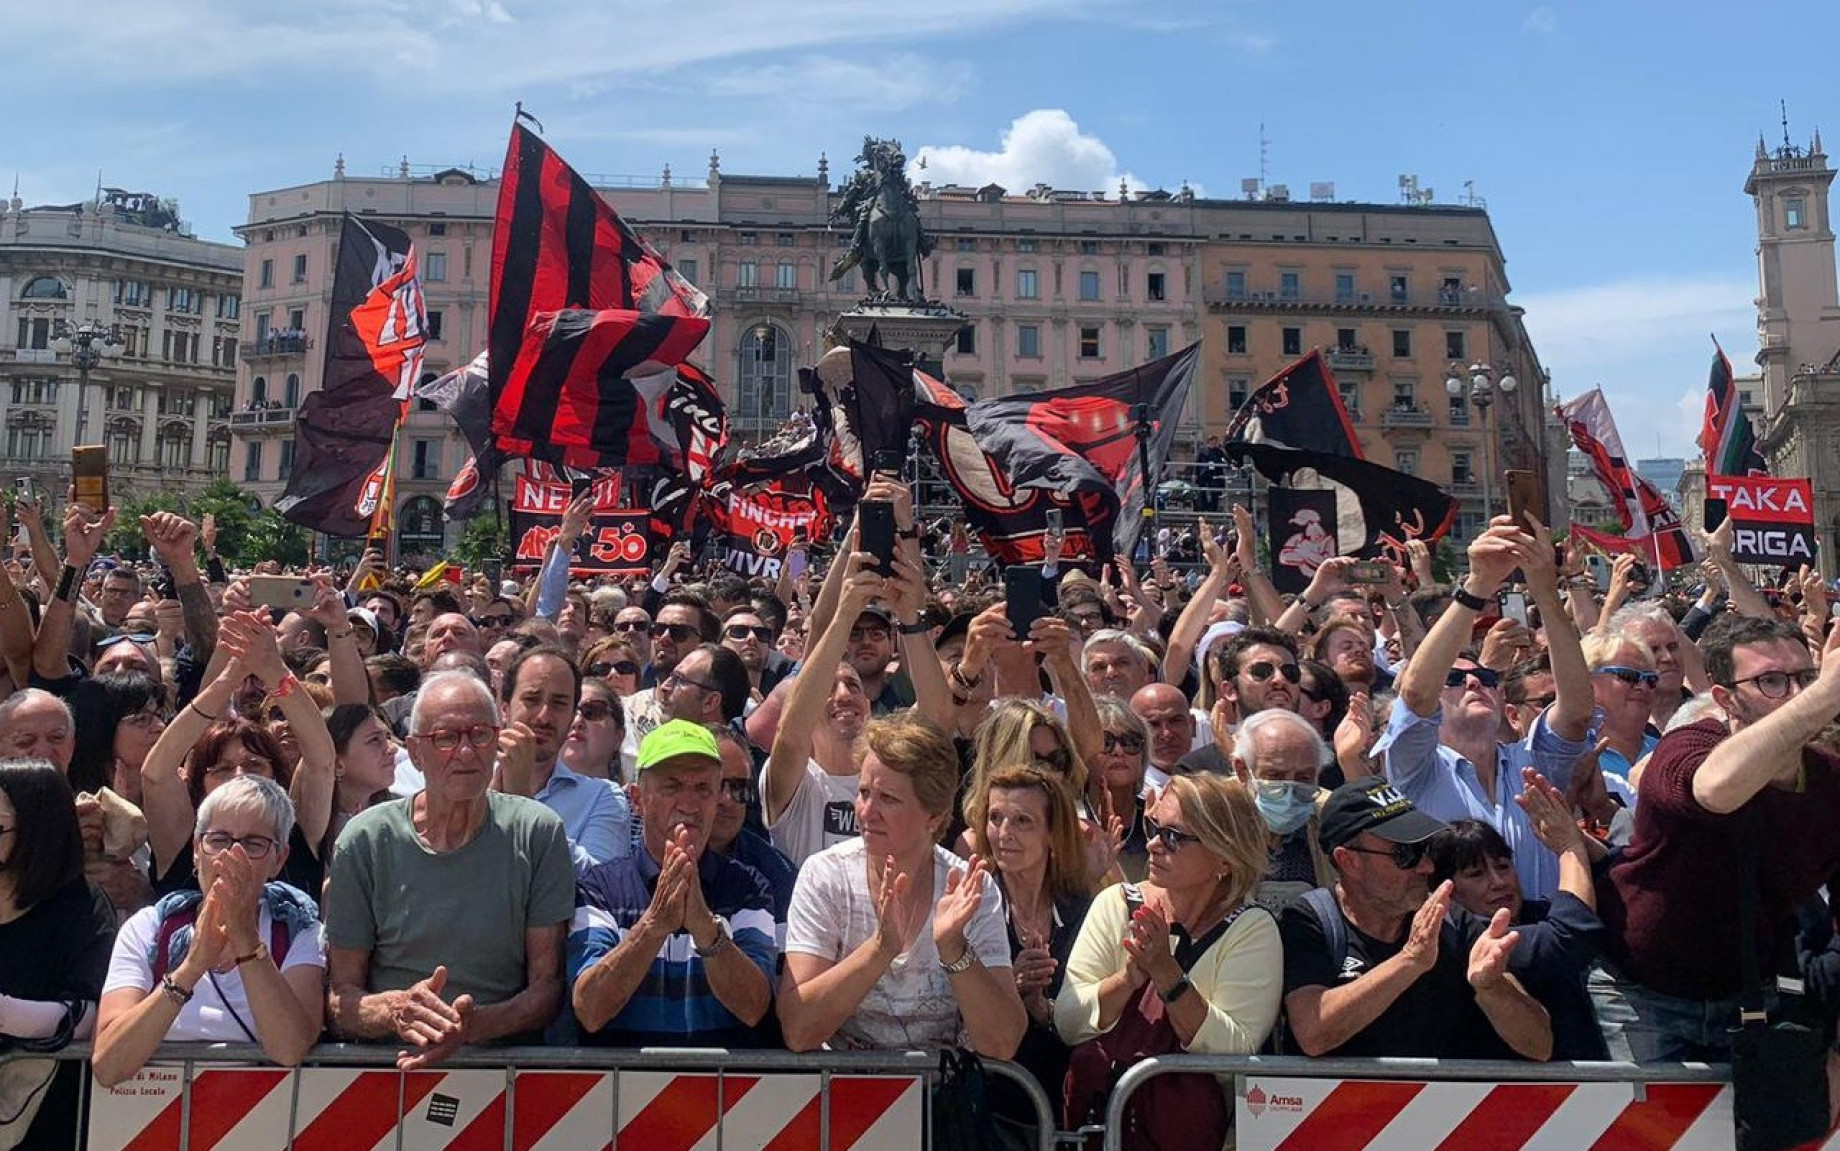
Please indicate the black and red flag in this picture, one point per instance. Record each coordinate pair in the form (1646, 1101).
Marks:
(462, 394)
(1297, 433)
(584, 316)
(1726, 437)
(340, 483)
(1092, 440)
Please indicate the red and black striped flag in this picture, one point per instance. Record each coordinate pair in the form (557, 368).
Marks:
(582, 311)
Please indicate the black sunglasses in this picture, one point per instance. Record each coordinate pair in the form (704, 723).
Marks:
(594, 710)
(740, 631)
(635, 625)
(492, 621)
(740, 790)
(1264, 669)
(1130, 743)
(1458, 676)
(677, 631)
(617, 667)
(1633, 676)
(1172, 837)
(1405, 856)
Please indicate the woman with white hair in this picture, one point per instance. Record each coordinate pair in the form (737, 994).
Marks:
(240, 961)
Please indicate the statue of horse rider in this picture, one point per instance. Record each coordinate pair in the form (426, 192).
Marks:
(884, 218)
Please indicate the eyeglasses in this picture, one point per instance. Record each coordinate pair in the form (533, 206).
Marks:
(1775, 684)
(255, 765)
(1633, 676)
(740, 790)
(679, 632)
(859, 634)
(618, 667)
(1540, 701)
(254, 846)
(1303, 791)
(594, 710)
(740, 631)
(1130, 743)
(1458, 676)
(145, 719)
(493, 620)
(447, 740)
(1405, 856)
(633, 625)
(1172, 838)
(137, 638)
(1265, 669)
(675, 681)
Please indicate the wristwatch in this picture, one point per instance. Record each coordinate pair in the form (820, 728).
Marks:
(961, 964)
(1473, 602)
(1176, 990)
(722, 940)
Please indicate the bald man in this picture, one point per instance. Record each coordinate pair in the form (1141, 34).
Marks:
(1164, 710)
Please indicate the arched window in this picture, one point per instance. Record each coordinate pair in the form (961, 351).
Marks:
(291, 393)
(258, 390)
(420, 525)
(765, 389)
(45, 288)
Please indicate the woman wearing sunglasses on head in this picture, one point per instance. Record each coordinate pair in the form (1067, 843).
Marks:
(1184, 959)
(238, 962)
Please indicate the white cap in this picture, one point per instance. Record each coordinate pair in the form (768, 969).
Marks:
(1212, 636)
(509, 587)
(366, 616)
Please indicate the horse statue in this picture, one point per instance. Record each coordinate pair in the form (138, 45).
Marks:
(884, 218)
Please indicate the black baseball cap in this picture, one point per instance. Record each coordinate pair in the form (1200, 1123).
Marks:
(1373, 805)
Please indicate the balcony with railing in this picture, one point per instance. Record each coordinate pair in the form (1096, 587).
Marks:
(1354, 359)
(263, 421)
(276, 346)
(764, 295)
(1404, 416)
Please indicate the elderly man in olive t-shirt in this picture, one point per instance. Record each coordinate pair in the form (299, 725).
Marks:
(445, 911)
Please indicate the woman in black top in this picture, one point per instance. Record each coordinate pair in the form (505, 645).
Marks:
(55, 936)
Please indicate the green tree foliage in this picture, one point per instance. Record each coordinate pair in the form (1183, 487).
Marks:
(483, 539)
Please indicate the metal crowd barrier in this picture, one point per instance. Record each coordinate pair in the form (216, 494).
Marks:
(225, 1097)
(1282, 1103)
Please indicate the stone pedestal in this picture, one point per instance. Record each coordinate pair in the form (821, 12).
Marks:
(921, 329)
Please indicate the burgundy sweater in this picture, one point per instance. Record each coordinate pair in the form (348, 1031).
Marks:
(1671, 906)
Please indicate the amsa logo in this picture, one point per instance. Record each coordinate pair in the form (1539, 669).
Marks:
(1258, 1102)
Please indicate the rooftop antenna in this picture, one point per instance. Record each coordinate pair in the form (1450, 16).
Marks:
(1264, 155)
(1785, 124)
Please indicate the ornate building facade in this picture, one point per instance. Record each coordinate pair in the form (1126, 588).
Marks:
(125, 264)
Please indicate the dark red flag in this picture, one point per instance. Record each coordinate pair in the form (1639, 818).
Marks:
(580, 307)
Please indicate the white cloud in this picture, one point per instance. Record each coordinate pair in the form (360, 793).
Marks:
(1541, 20)
(892, 83)
(1045, 146)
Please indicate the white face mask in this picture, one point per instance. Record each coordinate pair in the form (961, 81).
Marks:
(1285, 806)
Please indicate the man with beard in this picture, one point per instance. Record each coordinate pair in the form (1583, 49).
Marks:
(541, 691)
(1414, 977)
(748, 636)
(1346, 644)
(1442, 746)
(871, 650)
(682, 623)
(676, 944)
(708, 685)
(1765, 771)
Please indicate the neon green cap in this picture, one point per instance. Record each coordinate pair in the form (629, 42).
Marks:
(674, 738)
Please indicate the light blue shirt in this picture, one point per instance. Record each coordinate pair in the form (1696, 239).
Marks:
(595, 813)
(1444, 785)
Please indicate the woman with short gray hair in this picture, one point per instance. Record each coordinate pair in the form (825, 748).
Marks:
(240, 961)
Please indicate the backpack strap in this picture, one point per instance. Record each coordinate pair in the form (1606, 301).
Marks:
(1321, 902)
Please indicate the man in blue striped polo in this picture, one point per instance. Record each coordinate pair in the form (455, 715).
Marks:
(674, 944)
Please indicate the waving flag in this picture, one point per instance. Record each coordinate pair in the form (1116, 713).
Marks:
(341, 482)
(583, 312)
(1726, 436)
(1651, 526)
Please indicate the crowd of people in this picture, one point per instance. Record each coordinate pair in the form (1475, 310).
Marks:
(869, 808)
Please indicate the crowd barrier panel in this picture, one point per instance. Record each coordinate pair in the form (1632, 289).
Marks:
(347, 1097)
(1289, 1103)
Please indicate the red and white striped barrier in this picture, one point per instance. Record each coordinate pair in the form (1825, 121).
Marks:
(353, 1109)
(1282, 1114)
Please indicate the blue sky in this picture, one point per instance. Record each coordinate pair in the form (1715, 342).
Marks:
(1610, 141)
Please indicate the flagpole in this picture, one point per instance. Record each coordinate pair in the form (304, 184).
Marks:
(1142, 414)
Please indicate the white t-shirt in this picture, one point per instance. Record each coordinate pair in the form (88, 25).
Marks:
(821, 813)
(208, 1016)
(912, 1004)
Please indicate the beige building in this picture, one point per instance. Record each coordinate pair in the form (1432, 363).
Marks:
(124, 264)
(1058, 287)
(1798, 326)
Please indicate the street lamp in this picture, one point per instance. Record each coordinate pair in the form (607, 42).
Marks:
(1484, 381)
(87, 345)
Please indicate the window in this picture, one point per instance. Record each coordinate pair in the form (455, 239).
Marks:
(35, 391)
(1795, 211)
(1293, 341)
(1345, 339)
(434, 269)
(1405, 461)
(183, 300)
(1236, 339)
(466, 262)
(300, 268)
(1454, 346)
(258, 390)
(1028, 341)
(45, 288)
(135, 294)
(290, 391)
(1451, 291)
(1157, 345)
(34, 333)
(1405, 396)
(286, 467)
(1459, 411)
(687, 269)
(1236, 285)
(750, 273)
(218, 455)
(1028, 285)
(1089, 247)
(297, 319)
(750, 239)
(1025, 244)
(1157, 248)
(1238, 389)
(1402, 343)
(966, 244)
(1351, 397)
(28, 442)
(1089, 343)
(229, 307)
(765, 390)
(434, 324)
(1344, 287)
(252, 462)
(1089, 285)
(122, 398)
(1460, 469)
(1154, 288)
(1397, 288)
(1745, 399)
(437, 229)
(967, 340)
(175, 452)
(786, 276)
(1290, 285)
(425, 459)
(966, 284)
(266, 278)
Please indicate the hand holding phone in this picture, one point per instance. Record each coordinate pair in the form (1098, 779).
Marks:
(875, 518)
(1022, 599)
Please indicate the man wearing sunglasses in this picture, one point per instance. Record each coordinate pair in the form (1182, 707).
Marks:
(681, 624)
(1442, 746)
(1380, 965)
(1765, 769)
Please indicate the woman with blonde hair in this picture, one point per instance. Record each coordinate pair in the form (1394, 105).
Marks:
(1025, 733)
(1183, 962)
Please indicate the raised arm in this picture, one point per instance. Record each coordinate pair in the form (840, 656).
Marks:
(82, 536)
(44, 557)
(1223, 566)
(1331, 577)
(1745, 598)
(1267, 605)
(1573, 703)
(1060, 648)
(1621, 570)
(1492, 555)
(1771, 748)
(164, 797)
(173, 538)
(251, 642)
